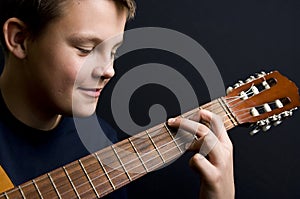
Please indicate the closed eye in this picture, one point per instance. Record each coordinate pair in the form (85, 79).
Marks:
(84, 51)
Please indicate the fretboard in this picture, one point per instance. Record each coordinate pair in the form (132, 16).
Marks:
(101, 173)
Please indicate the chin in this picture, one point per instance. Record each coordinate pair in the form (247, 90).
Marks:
(84, 112)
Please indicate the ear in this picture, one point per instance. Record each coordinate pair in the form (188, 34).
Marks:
(16, 34)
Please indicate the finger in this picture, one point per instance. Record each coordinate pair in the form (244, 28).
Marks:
(215, 122)
(192, 127)
(206, 139)
(205, 145)
(209, 143)
(202, 166)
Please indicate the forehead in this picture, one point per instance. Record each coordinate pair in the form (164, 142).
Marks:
(96, 19)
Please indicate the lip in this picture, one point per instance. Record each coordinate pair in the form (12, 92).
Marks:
(91, 92)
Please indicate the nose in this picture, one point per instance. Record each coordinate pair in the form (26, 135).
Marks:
(104, 73)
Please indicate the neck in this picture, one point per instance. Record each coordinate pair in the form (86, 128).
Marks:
(98, 174)
(22, 103)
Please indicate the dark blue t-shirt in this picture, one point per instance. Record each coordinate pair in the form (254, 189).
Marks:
(26, 153)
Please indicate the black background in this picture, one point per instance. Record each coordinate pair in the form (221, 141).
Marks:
(242, 37)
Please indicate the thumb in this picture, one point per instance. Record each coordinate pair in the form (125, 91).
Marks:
(202, 166)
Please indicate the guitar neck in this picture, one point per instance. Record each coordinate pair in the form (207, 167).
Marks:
(98, 174)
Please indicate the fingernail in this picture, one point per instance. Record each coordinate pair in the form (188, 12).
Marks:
(200, 156)
(171, 120)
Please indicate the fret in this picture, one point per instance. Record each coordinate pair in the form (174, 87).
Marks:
(54, 186)
(190, 113)
(90, 181)
(138, 154)
(121, 162)
(29, 190)
(96, 174)
(147, 151)
(211, 106)
(44, 187)
(62, 183)
(37, 188)
(165, 143)
(171, 135)
(73, 186)
(79, 180)
(228, 114)
(21, 191)
(15, 193)
(155, 147)
(130, 160)
(110, 181)
(113, 168)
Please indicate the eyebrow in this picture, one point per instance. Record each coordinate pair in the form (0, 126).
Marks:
(81, 38)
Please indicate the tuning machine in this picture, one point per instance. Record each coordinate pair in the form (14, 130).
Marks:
(255, 130)
(263, 125)
(276, 120)
(229, 89)
(266, 124)
(238, 84)
(261, 74)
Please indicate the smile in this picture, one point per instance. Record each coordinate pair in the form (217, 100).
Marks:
(91, 92)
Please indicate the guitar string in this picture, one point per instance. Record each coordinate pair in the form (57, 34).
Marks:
(161, 146)
(248, 92)
(31, 183)
(75, 179)
(153, 150)
(107, 181)
(61, 194)
(141, 156)
(127, 163)
(130, 162)
(170, 158)
(209, 105)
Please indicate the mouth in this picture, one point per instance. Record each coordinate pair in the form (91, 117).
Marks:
(91, 92)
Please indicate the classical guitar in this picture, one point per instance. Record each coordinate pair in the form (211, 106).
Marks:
(260, 102)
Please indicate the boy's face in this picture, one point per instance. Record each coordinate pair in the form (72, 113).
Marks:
(67, 66)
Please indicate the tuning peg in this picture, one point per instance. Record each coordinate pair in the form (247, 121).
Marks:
(249, 80)
(277, 123)
(229, 90)
(285, 114)
(261, 123)
(276, 120)
(255, 130)
(258, 75)
(266, 127)
(236, 85)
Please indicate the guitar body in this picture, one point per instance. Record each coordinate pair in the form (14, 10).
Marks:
(5, 182)
(259, 102)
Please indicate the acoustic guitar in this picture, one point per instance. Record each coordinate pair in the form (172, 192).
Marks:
(259, 102)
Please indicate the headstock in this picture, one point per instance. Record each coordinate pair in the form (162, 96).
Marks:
(263, 100)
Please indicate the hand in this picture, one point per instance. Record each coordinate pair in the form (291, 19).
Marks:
(214, 160)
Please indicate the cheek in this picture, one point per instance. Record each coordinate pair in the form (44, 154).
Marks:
(67, 69)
